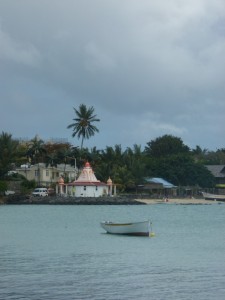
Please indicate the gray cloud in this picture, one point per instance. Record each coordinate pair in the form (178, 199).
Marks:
(148, 67)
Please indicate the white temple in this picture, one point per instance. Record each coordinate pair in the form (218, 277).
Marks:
(86, 185)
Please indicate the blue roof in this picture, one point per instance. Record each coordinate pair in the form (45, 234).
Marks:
(162, 181)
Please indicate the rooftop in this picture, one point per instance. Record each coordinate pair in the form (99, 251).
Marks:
(166, 184)
(216, 170)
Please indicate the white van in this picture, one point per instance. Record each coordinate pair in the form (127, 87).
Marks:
(40, 192)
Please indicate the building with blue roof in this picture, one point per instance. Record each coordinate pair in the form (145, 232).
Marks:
(165, 184)
(158, 187)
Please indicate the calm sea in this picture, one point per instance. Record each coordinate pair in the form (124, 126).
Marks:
(61, 252)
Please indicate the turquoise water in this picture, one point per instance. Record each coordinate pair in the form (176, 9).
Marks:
(61, 252)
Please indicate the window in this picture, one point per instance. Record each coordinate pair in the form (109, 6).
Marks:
(84, 188)
(96, 188)
(36, 173)
(47, 173)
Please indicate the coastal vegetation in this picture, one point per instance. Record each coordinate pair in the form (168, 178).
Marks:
(167, 157)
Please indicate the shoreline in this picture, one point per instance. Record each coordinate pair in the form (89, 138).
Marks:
(120, 200)
(65, 200)
(182, 201)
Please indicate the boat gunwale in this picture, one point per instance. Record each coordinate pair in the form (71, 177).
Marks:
(141, 228)
(123, 224)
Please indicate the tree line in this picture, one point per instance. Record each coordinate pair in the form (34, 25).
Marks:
(166, 156)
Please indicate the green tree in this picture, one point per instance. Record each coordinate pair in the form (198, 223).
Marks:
(3, 187)
(199, 154)
(165, 146)
(65, 155)
(36, 151)
(181, 170)
(8, 152)
(215, 158)
(169, 158)
(111, 160)
(83, 123)
(135, 163)
(124, 179)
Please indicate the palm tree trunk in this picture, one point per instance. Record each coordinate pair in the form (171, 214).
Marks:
(82, 141)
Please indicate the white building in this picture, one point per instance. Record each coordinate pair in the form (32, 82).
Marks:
(47, 175)
(86, 185)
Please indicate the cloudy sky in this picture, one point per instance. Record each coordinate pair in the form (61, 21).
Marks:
(149, 68)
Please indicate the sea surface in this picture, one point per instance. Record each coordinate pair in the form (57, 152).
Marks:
(61, 252)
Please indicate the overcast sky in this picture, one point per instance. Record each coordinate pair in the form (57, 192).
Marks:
(148, 67)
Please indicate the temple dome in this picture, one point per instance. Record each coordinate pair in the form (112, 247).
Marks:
(109, 181)
(61, 180)
(87, 174)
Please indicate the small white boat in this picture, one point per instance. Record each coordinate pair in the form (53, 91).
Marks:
(209, 196)
(132, 228)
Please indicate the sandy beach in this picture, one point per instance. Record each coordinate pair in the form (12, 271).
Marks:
(180, 201)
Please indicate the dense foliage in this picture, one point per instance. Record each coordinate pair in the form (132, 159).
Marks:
(8, 152)
(170, 159)
(165, 157)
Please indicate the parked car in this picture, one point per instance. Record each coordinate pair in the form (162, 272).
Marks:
(11, 173)
(7, 193)
(40, 192)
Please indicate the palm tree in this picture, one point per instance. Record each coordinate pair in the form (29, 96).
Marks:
(82, 126)
(35, 151)
(65, 154)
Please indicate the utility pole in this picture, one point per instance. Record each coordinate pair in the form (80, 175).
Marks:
(75, 168)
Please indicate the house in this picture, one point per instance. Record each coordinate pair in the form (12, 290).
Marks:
(86, 185)
(158, 186)
(218, 171)
(47, 175)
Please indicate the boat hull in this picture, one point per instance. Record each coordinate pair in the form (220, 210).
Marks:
(209, 196)
(132, 228)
